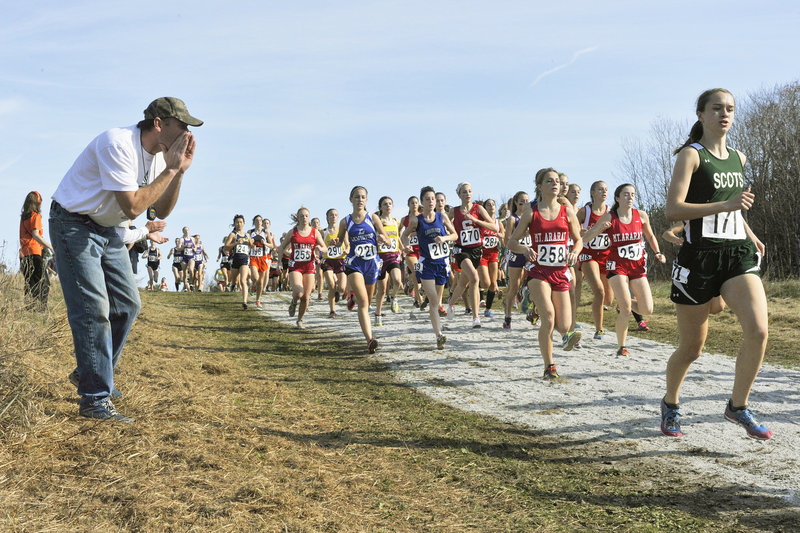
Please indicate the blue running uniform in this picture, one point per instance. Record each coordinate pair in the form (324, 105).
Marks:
(433, 256)
(363, 255)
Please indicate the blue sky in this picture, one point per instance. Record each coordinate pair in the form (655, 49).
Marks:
(304, 100)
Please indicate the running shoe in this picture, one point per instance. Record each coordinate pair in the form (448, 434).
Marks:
(336, 297)
(507, 323)
(526, 301)
(416, 304)
(258, 304)
(351, 302)
(482, 304)
(550, 372)
(442, 312)
(623, 351)
(643, 326)
(440, 340)
(292, 307)
(598, 335)
(102, 410)
(378, 320)
(476, 322)
(300, 324)
(568, 341)
(395, 305)
(488, 314)
(467, 311)
(244, 305)
(671, 420)
(372, 346)
(332, 314)
(424, 304)
(451, 310)
(745, 418)
(532, 316)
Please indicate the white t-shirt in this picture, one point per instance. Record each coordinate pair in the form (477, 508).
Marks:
(113, 161)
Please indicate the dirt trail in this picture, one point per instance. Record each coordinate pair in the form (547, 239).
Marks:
(600, 396)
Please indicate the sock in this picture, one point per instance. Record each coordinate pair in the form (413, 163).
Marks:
(489, 299)
(671, 405)
(730, 404)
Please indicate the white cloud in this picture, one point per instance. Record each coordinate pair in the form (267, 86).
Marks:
(575, 57)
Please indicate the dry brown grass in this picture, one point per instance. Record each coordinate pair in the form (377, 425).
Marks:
(724, 333)
(244, 425)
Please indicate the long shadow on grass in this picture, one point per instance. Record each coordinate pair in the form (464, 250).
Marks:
(764, 510)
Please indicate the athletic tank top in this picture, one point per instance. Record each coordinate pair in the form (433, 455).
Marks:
(432, 251)
(526, 240)
(303, 247)
(152, 255)
(188, 247)
(333, 251)
(177, 256)
(602, 241)
(240, 246)
(391, 229)
(412, 237)
(198, 252)
(626, 239)
(715, 180)
(362, 237)
(260, 242)
(469, 235)
(490, 239)
(549, 238)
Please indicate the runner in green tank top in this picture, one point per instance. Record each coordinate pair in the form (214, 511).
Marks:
(721, 255)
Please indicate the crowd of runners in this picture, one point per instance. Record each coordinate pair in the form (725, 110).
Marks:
(538, 246)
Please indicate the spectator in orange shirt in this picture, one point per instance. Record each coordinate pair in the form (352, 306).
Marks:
(31, 244)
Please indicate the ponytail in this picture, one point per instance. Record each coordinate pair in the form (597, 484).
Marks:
(695, 134)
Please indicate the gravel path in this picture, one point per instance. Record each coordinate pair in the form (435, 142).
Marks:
(600, 396)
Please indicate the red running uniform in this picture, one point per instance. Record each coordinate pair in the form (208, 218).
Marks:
(596, 250)
(549, 238)
(301, 256)
(626, 256)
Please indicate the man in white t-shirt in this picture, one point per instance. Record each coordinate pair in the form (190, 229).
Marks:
(119, 175)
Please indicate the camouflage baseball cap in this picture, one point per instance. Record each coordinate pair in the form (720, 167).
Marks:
(169, 107)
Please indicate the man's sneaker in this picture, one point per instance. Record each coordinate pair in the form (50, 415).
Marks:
(476, 322)
(598, 335)
(300, 324)
(378, 320)
(623, 351)
(332, 314)
(507, 323)
(395, 305)
(372, 346)
(442, 312)
(550, 372)
(440, 340)
(75, 379)
(102, 410)
(569, 340)
(671, 420)
(258, 304)
(643, 326)
(292, 307)
(351, 302)
(746, 419)
(424, 304)
(488, 314)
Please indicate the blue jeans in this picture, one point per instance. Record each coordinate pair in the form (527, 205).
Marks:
(101, 296)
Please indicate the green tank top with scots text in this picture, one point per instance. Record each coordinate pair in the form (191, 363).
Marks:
(715, 180)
